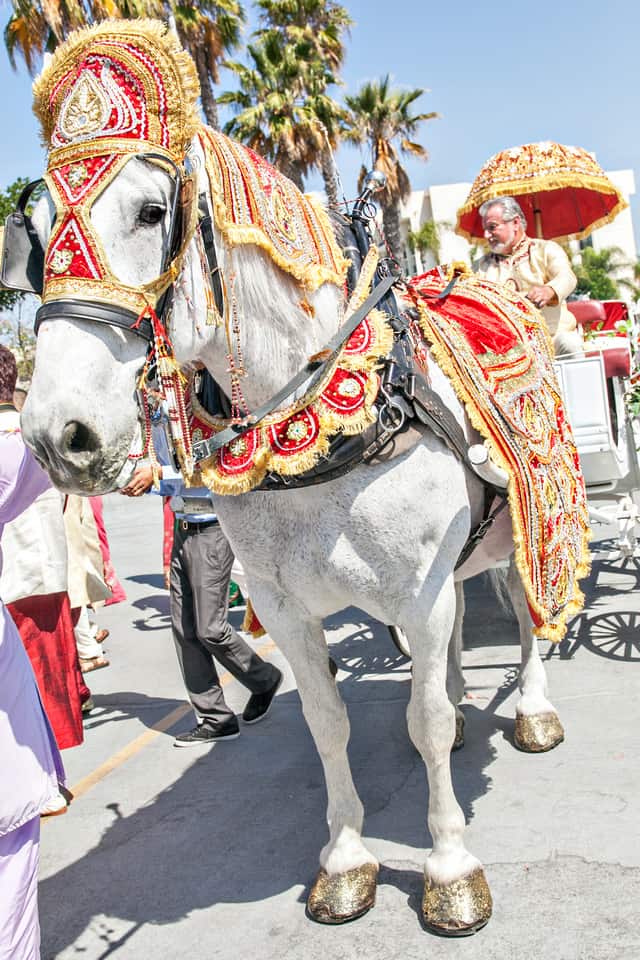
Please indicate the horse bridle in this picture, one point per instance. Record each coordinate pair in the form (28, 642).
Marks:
(23, 259)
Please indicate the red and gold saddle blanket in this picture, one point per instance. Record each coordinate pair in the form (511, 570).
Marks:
(495, 350)
(254, 203)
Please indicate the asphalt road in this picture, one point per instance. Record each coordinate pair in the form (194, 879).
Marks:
(208, 853)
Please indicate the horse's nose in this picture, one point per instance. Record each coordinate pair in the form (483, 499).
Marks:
(62, 453)
(78, 438)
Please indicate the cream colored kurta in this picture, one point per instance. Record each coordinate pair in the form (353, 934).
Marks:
(536, 263)
(87, 586)
(34, 544)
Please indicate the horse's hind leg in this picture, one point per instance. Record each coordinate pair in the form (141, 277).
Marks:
(538, 726)
(455, 678)
(345, 887)
(456, 900)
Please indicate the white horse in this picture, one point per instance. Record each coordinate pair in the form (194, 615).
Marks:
(384, 537)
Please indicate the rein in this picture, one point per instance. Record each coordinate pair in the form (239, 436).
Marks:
(310, 374)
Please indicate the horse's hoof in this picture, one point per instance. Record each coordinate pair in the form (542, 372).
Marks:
(459, 908)
(538, 732)
(338, 897)
(459, 737)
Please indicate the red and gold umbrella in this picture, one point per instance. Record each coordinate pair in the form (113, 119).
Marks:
(563, 192)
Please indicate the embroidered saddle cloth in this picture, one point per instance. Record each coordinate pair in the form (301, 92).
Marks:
(495, 350)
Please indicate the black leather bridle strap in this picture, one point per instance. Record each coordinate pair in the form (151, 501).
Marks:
(310, 374)
(206, 232)
(96, 312)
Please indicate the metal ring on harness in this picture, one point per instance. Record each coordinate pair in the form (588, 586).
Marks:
(391, 417)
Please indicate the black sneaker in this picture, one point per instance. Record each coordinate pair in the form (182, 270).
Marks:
(204, 734)
(259, 703)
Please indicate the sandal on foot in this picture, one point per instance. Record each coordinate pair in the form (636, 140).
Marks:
(93, 663)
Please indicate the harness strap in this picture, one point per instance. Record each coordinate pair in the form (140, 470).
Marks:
(306, 378)
(481, 531)
(98, 312)
(431, 410)
(206, 232)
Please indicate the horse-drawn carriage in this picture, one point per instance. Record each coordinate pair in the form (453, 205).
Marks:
(172, 246)
(595, 387)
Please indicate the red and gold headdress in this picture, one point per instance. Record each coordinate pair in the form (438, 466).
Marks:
(122, 87)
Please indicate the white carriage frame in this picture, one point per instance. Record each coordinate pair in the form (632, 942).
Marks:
(604, 434)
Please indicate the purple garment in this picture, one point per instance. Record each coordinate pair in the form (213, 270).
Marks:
(29, 758)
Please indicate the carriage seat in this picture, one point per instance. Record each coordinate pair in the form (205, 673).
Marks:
(604, 339)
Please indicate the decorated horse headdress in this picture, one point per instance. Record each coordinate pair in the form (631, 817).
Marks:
(116, 89)
(127, 87)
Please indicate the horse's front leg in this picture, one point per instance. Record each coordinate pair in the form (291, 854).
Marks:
(345, 886)
(455, 677)
(456, 897)
(538, 726)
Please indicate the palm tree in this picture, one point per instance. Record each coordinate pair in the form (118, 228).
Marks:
(378, 116)
(269, 117)
(207, 30)
(426, 240)
(283, 109)
(36, 28)
(599, 273)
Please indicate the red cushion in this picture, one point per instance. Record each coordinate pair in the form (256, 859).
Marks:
(595, 315)
(615, 352)
(588, 313)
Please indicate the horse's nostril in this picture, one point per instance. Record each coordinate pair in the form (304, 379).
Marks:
(78, 438)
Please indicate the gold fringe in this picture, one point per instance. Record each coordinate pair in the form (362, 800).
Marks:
(310, 275)
(551, 631)
(157, 41)
(538, 184)
(248, 619)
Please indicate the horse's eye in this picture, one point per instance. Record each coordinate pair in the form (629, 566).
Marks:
(151, 214)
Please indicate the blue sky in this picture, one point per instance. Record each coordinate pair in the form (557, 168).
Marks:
(499, 74)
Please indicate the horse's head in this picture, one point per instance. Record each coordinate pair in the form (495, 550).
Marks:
(117, 105)
(118, 238)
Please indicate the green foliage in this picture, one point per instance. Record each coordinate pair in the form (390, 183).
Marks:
(427, 238)
(597, 273)
(283, 108)
(382, 118)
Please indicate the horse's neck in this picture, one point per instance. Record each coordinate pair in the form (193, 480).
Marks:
(271, 325)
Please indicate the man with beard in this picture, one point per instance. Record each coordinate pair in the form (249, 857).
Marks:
(539, 269)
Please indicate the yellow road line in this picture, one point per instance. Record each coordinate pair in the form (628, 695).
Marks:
(135, 746)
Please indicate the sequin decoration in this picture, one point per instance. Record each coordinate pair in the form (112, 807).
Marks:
(342, 402)
(498, 356)
(254, 203)
(338, 897)
(460, 907)
(109, 91)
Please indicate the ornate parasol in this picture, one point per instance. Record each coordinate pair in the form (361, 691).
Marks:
(562, 191)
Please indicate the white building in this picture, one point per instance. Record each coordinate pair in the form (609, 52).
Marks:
(440, 205)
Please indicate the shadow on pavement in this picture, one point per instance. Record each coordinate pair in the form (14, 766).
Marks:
(125, 704)
(221, 833)
(155, 610)
(149, 579)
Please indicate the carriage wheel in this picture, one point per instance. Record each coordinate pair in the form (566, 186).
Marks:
(399, 638)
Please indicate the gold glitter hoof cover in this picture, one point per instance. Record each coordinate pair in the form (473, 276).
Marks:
(538, 733)
(338, 897)
(459, 908)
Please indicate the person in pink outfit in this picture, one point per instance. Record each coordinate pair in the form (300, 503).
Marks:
(109, 573)
(32, 769)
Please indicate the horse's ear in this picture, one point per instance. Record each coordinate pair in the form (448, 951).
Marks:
(171, 23)
(47, 57)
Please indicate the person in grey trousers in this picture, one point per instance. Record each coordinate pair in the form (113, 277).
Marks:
(199, 576)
